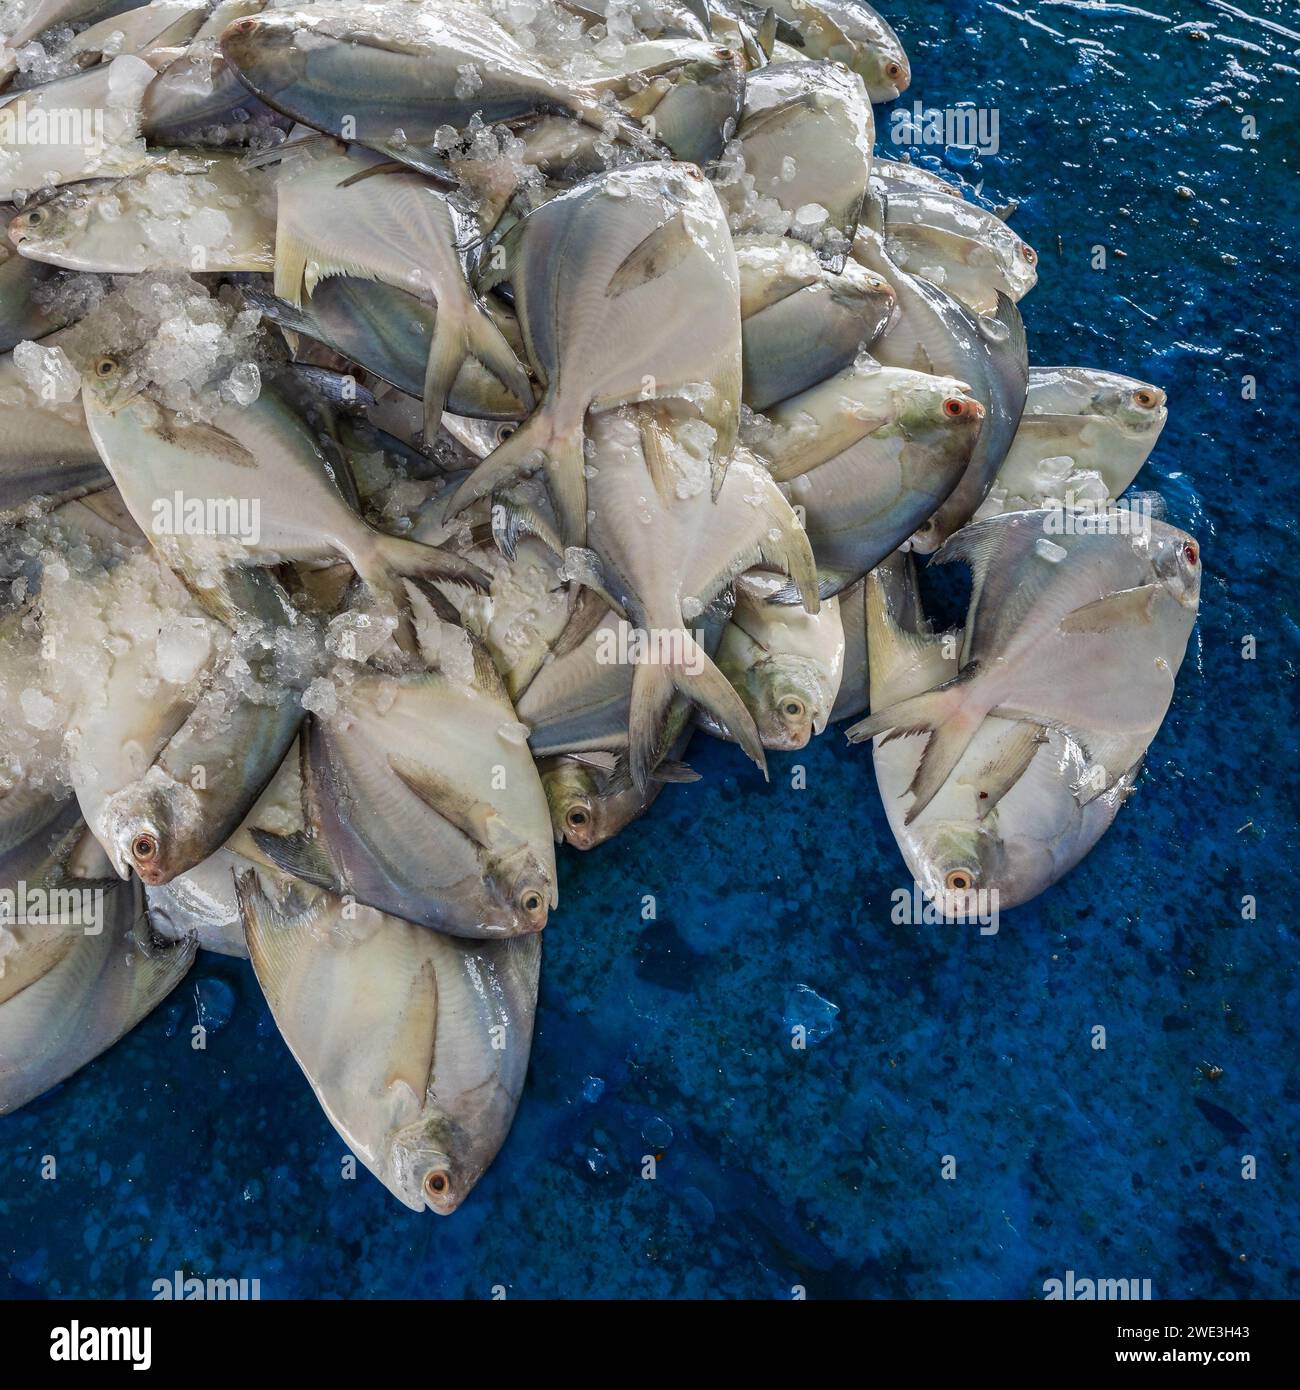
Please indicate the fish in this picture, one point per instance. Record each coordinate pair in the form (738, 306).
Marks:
(578, 699)
(126, 651)
(964, 854)
(202, 783)
(1082, 632)
(138, 29)
(970, 253)
(603, 275)
(662, 549)
(421, 799)
(592, 799)
(392, 76)
(28, 312)
(849, 32)
(791, 341)
(865, 457)
(932, 332)
(191, 211)
(398, 229)
(903, 173)
(416, 1044)
(783, 662)
(46, 451)
(73, 148)
(34, 19)
(387, 332)
(1084, 432)
(67, 995)
(268, 491)
(804, 142)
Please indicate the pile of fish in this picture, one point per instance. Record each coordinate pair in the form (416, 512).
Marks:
(419, 418)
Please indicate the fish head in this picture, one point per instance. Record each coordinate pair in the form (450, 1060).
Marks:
(272, 52)
(110, 383)
(929, 405)
(423, 1171)
(148, 835)
(1020, 265)
(520, 889)
(50, 227)
(866, 292)
(957, 862)
(1138, 408)
(573, 798)
(789, 700)
(883, 68)
(1176, 559)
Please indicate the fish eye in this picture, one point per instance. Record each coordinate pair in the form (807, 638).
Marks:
(144, 848)
(34, 217)
(577, 817)
(893, 71)
(243, 26)
(1191, 554)
(531, 902)
(105, 367)
(792, 707)
(959, 880)
(954, 408)
(1029, 254)
(437, 1183)
(504, 432)
(1145, 397)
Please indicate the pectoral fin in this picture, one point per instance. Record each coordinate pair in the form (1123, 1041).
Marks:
(1126, 608)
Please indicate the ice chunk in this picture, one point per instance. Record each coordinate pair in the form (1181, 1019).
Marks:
(183, 648)
(806, 1009)
(38, 709)
(48, 372)
(1049, 550)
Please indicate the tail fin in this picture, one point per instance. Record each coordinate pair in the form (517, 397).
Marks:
(447, 352)
(384, 564)
(691, 671)
(949, 717)
(490, 346)
(468, 333)
(536, 442)
(412, 559)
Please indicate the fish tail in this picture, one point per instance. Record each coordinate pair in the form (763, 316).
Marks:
(448, 349)
(461, 332)
(537, 442)
(687, 668)
(792, 553)
(384, 564)
(399, 558)
(489, 346)
(566, 481)
(950, 718)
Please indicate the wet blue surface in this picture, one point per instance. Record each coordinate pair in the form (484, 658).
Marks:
(822, 1168)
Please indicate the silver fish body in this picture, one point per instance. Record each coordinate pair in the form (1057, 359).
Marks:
(1082, 632)
(1083, 432)
(932, 332)
(963, 853)
(416, 1044)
